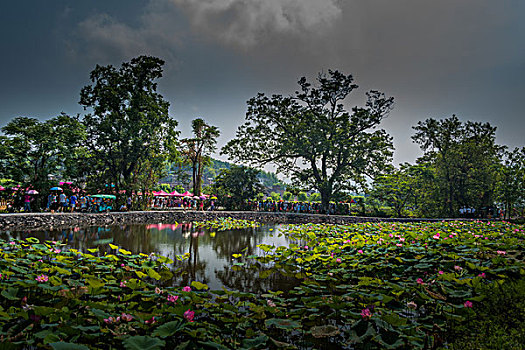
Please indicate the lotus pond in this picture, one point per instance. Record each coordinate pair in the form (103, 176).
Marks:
(373, 285)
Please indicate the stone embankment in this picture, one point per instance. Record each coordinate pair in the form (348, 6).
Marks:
(34, 221)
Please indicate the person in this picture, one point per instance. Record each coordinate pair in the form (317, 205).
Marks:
(73, 202)
(129, 202)
(212, 205)
(54, 203)
(62, 202)
(27, 203)
(201, 205)
(49, 201)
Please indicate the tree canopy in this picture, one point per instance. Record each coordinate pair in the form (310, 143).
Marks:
(198, 149)
(312, 137)
(465, 160)
(32, 150)
(130, 134)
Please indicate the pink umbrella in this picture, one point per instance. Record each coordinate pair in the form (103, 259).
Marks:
(32, 192)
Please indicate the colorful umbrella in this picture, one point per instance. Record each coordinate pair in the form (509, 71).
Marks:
(32, 192)
(56, 189)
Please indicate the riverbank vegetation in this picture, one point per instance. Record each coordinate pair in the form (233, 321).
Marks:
(371, 285)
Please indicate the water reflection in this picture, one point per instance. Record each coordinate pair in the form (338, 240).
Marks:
(210, 253)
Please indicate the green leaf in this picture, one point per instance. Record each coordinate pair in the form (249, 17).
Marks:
(143, 343)
(112, 246)
(95, 282)
(213, 345)
(68, 346)
(255, 343)
(282, 323)
(153, 274)
(199, 285)
(168, 329)
(10, 293)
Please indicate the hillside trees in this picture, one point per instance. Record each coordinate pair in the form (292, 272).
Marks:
(130, 134)
(312, 137)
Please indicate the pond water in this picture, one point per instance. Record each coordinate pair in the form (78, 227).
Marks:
(210, 253)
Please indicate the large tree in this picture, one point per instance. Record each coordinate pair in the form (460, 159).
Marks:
(198, 149)
(511, 180)
(31, 150)
(465, 159)
(237, 185)
(129, 132)
(312, 137)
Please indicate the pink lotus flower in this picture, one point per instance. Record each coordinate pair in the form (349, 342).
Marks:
(360, 251)
(399, 244)
(501, 252)
(111, 320)
(402, 239)
(436, 236)
(338, 260)
(152, 320)
(126, 317)
(158, 290)
(186, 289)
(482, 275)
(172, 298)
(467, 304)
(458, 268)
(42, 278)
(440, 272)
(306, 247)
(122, 284)
(188, 315)
(420, 281)
(366, 314)
(270, 303)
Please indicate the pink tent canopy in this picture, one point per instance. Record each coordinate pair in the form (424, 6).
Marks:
(161, 193)
(187, 194)
(176, 194)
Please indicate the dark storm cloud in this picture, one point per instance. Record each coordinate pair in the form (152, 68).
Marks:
(435, 57)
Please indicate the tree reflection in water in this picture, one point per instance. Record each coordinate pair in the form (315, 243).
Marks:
(209, 253)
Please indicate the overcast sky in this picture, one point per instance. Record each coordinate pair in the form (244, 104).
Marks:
(437, 58)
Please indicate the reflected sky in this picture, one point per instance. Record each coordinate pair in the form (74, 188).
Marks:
(210, 253)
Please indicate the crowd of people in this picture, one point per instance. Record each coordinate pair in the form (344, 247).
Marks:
(341, 208)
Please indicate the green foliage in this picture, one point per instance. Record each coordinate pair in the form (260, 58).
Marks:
(511, 181)
(197, 150)
(235, 186)
(302, 196)
(287, 196)
(275, 196)
(499, 322)
(372, 285)
(223, 224)
(313, 139)
(31, 150)
(464, 159)
(130, 134)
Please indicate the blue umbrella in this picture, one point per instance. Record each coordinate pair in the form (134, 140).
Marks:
(56, 189)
